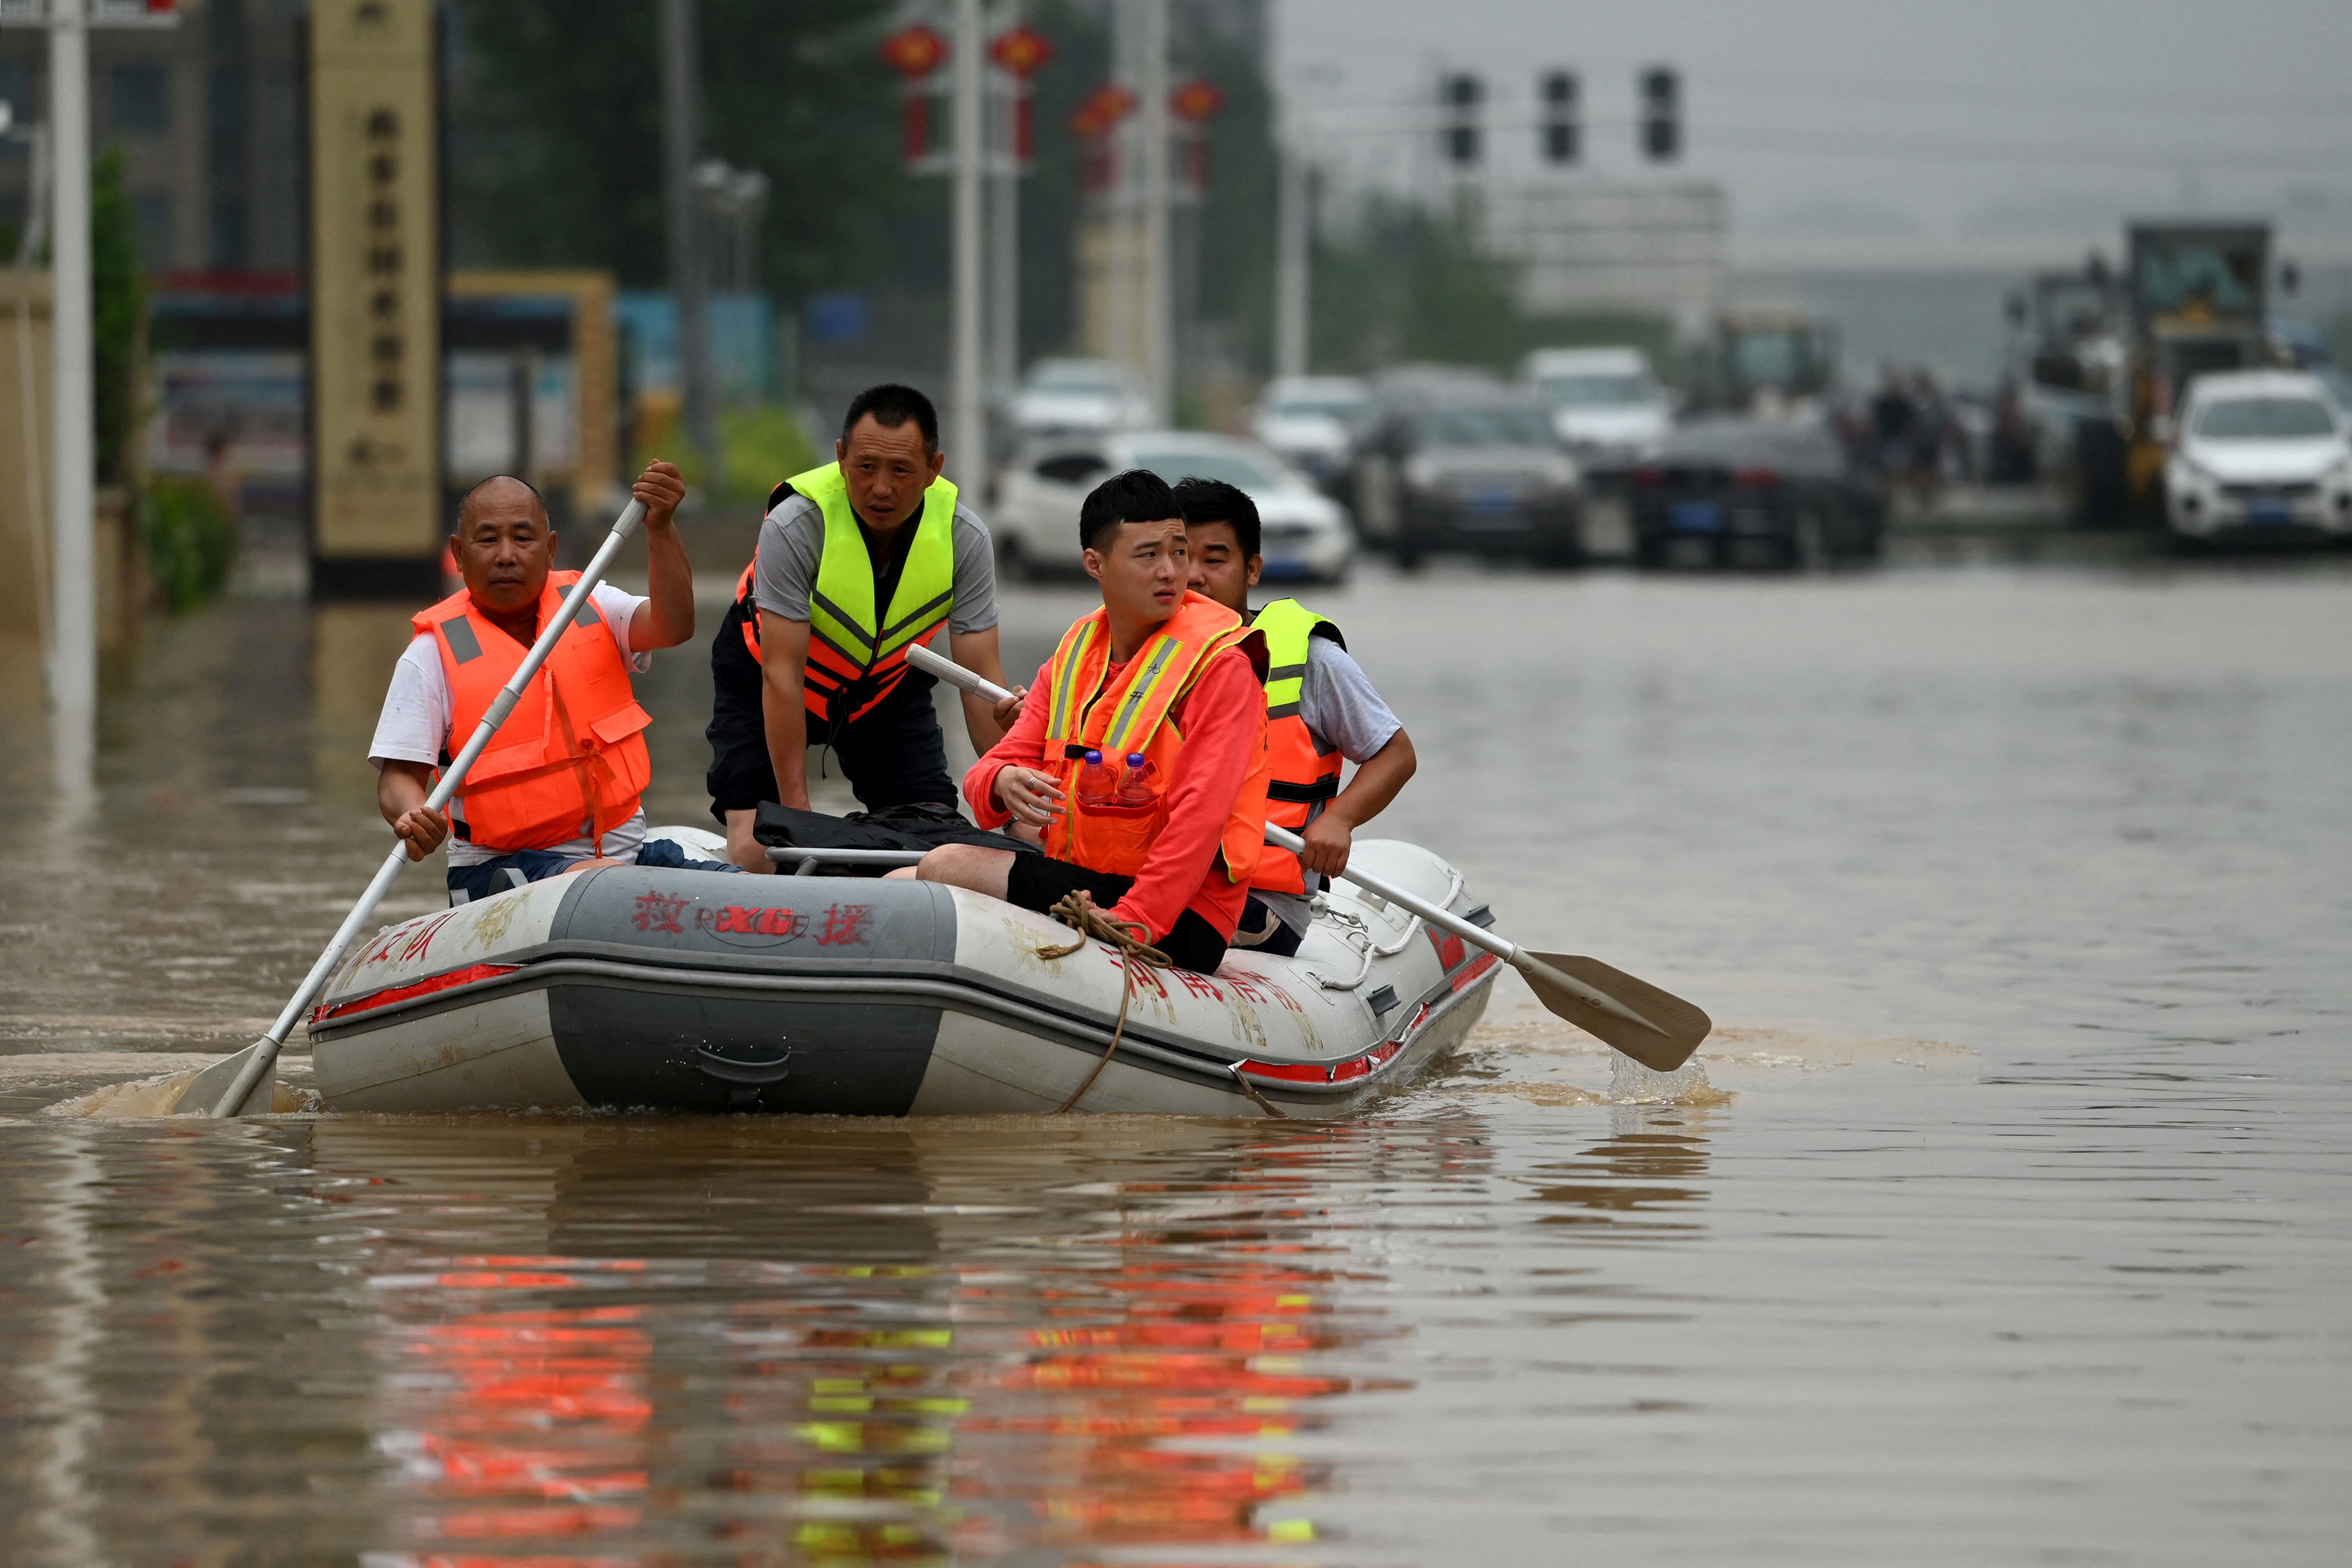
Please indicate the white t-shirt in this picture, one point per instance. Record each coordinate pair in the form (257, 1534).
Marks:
(415, 727)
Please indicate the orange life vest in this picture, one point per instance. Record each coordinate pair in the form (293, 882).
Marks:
(570, 761)
(1300, 775)
(1131, 716)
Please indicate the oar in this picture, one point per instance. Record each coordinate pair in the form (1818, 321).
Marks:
(243, 1083)
(1654, 1028)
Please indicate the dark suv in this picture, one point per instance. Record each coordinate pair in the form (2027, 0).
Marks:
(1756, 493)
(1467, 468)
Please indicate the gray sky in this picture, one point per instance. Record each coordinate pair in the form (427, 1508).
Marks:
(2001, 132)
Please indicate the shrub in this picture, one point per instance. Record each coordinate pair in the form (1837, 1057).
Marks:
(191, 539)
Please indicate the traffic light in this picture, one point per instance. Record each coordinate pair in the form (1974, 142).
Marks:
(1556, 138)
(1661, 114)
(1460, 93)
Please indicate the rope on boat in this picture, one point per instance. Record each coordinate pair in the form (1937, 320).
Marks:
(1079, 912)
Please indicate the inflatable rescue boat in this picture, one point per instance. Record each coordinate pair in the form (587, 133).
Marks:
(631, 988)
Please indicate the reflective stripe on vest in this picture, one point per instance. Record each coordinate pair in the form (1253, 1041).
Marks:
(853, 643)
(1300, 776)
(1129, 714)
(848, 643)
(570, 759)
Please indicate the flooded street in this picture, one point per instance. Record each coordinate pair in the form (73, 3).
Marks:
(2014, 1226)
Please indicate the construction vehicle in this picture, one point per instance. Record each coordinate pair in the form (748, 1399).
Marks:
(1765, 362)
(2199, 302)
(2110, 359)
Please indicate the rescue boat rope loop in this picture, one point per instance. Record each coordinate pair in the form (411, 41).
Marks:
(1092, 925)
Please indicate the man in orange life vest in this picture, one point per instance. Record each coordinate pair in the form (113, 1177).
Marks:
(557, 790)
(857, 560)
(1139, 754)
(1319, 709)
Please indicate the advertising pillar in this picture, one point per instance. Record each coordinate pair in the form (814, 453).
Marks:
(375, 302)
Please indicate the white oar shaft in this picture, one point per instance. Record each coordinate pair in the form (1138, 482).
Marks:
(453, 777)
(954, 674)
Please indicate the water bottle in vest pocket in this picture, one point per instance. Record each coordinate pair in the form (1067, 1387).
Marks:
(1097, 782)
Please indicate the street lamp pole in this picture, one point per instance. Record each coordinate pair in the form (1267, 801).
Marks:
(73, 660)
(1151, 130)
(967, 62)
(1292, 238)
(681, 134)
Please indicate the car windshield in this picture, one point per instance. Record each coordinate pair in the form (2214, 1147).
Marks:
(1773, 358)
(1743, 444)
(1232, 467)
(2264, 419)
(1595, 391)
(1488, 428)
(1318, 408)
(1074, 378)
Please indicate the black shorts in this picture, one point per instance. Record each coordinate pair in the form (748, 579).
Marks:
(1262, 930)
(893, 755)
(1036, 882)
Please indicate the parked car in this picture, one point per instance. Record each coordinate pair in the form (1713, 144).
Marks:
(1743, 492)
(1304, 533)
(1079, 394)
(2259, 453)
(1608, 405)
(1458, 465)
(1309, 421)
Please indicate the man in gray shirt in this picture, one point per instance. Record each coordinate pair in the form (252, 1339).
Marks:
(857, 560)
(1320, 708)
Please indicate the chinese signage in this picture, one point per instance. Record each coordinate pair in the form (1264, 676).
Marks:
(375, 299)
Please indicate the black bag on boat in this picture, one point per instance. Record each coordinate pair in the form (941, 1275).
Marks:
(922, 825)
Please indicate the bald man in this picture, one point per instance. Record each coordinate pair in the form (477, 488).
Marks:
(558, 790)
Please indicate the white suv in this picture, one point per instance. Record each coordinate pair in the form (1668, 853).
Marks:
(2259, 452)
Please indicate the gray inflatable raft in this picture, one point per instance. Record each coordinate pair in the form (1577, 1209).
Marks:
(631, 988)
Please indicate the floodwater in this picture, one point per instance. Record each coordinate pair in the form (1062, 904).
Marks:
(2014, 1226)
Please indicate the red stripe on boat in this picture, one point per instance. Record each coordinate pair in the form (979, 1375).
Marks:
(449, 981)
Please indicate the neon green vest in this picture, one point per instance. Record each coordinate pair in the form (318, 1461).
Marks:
(853, 649)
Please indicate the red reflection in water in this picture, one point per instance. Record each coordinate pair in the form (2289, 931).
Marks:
(1168, 1421)
(534, 1419)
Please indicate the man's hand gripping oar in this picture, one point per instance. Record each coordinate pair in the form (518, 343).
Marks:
(1654, 1028)
(245, 1083)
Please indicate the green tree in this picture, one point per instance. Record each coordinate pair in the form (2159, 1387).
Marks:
(556, 119)
(118, 311)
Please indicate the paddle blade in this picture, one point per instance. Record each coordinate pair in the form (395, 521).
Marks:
(204, 1089)
(1680, 1025)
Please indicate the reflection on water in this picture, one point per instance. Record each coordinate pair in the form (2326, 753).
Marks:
(2008, 1223)
(538, 1340)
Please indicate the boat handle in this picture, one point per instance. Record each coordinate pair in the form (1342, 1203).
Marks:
(727, 1069)
(1412, 929)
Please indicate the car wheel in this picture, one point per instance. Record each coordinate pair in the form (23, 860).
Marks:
(1408, 556)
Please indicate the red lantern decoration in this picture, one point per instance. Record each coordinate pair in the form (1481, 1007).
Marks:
(1022, 52)
(914, 52)
(1196, 101)
(1104, 107)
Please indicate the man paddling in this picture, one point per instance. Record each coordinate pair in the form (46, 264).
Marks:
(558, 789)
(857, 560)
(1139, 754)
(1319, 709)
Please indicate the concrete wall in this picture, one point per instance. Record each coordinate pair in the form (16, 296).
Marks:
(124, 586)
(24, 468)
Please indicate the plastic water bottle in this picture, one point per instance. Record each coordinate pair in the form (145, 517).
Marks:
(1136, 791)
(1097, 780)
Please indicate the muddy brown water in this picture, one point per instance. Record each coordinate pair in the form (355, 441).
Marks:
(2014, 1226)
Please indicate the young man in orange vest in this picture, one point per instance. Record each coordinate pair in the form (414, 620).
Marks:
(1139, 752)
(557, 790)
(857, 560)
(1319, 709)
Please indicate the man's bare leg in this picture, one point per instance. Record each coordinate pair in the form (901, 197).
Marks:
(745, 852)
(968, 865)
